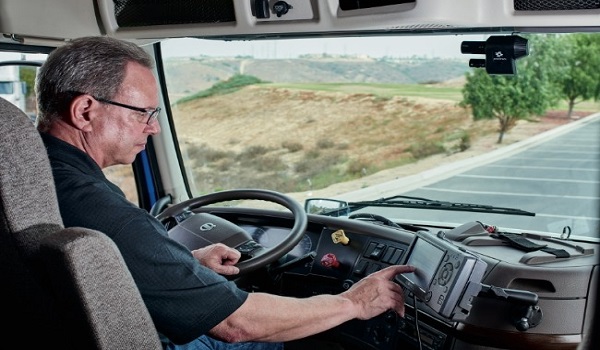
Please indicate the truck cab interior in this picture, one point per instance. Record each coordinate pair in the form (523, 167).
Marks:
(325, 166)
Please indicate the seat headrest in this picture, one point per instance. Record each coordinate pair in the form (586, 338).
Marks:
(27, 193)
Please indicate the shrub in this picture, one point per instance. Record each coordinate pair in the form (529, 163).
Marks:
(292, 146)
(426, 149)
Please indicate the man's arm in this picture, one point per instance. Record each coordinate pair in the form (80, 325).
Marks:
(266, 317)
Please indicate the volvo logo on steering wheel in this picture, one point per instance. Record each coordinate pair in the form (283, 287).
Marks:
(207, 227)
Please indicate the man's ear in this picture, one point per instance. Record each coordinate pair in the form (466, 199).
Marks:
(82, 111)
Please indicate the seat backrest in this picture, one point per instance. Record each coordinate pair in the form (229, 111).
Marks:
(65, 287)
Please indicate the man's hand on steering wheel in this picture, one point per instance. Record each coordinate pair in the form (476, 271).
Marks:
(219, 258)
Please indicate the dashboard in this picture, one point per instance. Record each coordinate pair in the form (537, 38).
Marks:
(321, 264)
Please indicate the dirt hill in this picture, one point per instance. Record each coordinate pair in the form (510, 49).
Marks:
(318, 138)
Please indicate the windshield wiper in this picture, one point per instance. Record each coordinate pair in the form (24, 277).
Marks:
(424, 203)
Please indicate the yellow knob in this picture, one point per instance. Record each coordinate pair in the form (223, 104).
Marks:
(340, 237)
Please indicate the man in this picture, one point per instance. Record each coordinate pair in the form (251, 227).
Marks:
(97, 101)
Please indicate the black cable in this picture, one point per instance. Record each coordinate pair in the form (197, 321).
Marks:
(374, 217)
(417, 322)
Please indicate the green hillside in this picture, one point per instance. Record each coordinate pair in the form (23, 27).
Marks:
(197, 74)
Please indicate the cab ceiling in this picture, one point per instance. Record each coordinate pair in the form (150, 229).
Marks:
(51, 22)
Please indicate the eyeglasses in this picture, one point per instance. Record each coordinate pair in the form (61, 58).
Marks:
(152, 113)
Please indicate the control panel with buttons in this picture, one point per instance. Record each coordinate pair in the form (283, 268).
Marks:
(355, 256)
(283, 10)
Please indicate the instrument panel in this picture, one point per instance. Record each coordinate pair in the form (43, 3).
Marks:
(270, 236)
(335, 253)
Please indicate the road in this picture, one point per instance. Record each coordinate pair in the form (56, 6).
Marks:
(556, 175)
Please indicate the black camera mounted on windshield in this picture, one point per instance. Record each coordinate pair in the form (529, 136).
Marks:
(500, 52)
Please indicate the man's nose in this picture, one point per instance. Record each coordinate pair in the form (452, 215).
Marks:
(153, 128)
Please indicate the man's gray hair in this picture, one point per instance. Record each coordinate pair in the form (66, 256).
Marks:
(91, 65)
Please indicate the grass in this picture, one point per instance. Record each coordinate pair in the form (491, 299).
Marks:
(228, 86)
(593, 106)
(381, 90)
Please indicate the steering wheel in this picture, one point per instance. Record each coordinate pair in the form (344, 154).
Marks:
(197, 230)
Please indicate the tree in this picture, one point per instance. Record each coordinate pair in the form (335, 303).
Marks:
(580, 77)
(510, 98)
(27, 74)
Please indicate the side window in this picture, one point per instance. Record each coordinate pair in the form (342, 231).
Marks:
(122, 176)
(17, 80)
(16, 86)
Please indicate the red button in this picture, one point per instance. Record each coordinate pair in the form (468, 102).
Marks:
(330, 260)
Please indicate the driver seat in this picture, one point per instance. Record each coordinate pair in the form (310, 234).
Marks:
(64, 287)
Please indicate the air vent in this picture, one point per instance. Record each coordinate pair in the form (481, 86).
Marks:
(346, 5)
(138, 13)
(556, 5)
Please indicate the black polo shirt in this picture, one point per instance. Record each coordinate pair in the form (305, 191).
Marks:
(185, 299)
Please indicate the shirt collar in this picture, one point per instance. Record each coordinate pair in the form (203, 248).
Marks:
(63, 152)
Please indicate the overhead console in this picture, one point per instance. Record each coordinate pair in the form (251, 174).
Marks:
(139, 13)
(146, 21)
(346, 5)
(277, 10)
(262, 19)
(286, 10)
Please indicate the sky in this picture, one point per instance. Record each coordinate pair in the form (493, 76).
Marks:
(397, 46)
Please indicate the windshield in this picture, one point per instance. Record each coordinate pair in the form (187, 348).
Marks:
(360, 119)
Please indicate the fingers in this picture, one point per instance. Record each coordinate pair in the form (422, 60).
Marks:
(219, 258)
(228, 255)
(377, 293)
(398, 298)
(226, 269)
(398, 292)
(392, 296)
(391, 271)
